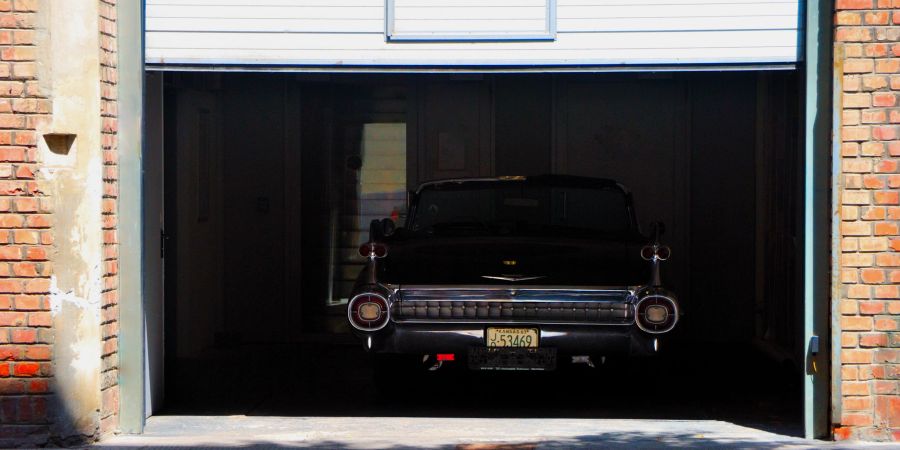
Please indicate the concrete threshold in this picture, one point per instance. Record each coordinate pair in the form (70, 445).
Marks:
(452, 433)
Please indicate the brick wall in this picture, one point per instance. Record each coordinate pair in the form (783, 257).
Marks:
(25, 236)
(867, 35)
(27, 384)
(110, 312)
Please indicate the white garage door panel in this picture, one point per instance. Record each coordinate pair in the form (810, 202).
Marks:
(588, 32)
(274, 12)
(735, 40)
(685, 10)
(274, 25)
(679, 47)
(677, 23)
(520, 57)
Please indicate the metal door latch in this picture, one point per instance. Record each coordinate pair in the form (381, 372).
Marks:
(813, 345)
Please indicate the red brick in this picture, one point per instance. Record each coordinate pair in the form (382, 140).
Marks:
(26, 369)
(886, 166)
(853, 4)
(888, 260)
(877, 18)
(886, 324)
(38, 386)
(37, 286)
(36, 254)
(11, 386)
(29, 302)
(872, 276)
(884, 387)
(850, 66)
(12, 319)
(887, 198)
(842, 433)
(887, 411)
(884, 99)
(886, 229)
(871, 308)
(881, 65)
(856, 356)
(39, 319)
(24, 335)
(873, 340)
(887, 291)
(856, 419)
(37, 352)
(856, 323)
(859, 291)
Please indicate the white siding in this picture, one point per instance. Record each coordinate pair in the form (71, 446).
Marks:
(352, 32)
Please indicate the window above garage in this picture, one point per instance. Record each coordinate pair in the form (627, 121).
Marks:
(470, 20)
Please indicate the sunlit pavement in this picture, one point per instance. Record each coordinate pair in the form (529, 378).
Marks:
(452, 433)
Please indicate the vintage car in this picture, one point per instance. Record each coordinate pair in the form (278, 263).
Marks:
(514, 273)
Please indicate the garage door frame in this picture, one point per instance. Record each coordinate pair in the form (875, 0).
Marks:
(135, 224)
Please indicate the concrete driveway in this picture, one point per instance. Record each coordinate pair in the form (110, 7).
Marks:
(452, 433)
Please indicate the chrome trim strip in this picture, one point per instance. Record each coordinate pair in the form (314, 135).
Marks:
(507, 322)
(511, 300)
(493, 287)
(512, 278)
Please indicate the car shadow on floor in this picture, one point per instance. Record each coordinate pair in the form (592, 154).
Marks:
(334, 378)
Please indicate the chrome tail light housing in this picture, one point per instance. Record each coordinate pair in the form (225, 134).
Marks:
(368, 311)
(656, 312)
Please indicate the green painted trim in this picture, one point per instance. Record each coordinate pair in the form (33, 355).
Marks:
(132, 362)
(816, 217)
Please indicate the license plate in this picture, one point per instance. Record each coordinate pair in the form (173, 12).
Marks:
(512, 337)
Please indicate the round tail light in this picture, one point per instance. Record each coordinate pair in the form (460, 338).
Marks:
(368, 312)
(659, 252)
(663, 252)
(373, 249)
(656, 314)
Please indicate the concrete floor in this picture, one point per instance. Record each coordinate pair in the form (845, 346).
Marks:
(452, 433)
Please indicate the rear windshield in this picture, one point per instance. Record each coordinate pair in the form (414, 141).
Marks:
(500, 208)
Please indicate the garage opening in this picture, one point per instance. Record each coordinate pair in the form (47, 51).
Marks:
(271, 181)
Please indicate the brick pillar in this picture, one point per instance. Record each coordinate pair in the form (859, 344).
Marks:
(867, 35)
(25, 236)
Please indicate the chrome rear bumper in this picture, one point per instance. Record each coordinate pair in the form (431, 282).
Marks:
(432, 338)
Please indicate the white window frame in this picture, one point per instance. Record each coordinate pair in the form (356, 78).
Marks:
(549, 33)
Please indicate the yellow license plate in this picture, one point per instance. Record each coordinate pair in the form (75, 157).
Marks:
(512, 337)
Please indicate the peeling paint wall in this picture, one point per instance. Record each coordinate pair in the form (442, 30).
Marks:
(76, 182)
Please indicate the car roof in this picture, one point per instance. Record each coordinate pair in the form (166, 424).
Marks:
(535, 180)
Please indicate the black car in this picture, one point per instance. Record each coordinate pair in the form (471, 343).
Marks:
(514, 273)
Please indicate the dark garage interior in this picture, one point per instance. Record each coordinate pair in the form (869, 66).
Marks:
(270, 181)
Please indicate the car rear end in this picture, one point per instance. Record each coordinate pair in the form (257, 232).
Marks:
(513, 328)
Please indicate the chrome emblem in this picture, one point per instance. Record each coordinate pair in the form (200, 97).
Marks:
(511, 277)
